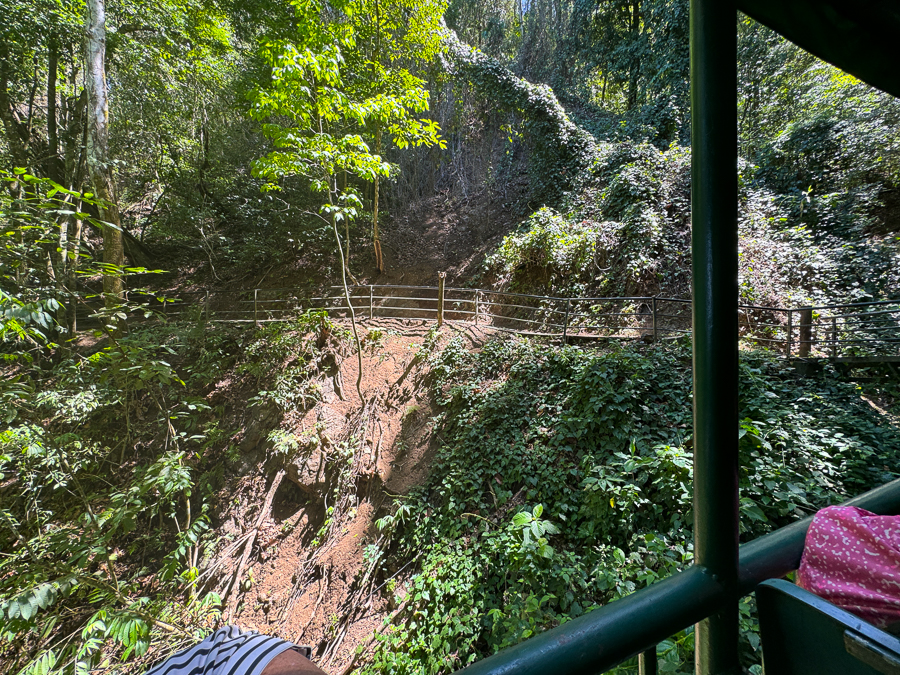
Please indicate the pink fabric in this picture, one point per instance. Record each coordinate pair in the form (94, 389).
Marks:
(852, 559)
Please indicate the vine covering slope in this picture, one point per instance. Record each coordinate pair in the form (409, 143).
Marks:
(564, 482)
(562, 149)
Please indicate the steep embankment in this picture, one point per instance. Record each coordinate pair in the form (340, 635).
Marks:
(485, 490)
(625, 230)
(563, 481)
(611, 216)
(189, 473)
(312, 479)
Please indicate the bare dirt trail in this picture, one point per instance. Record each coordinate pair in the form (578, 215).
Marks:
(442, 235)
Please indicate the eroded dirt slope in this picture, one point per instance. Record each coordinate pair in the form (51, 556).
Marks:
(300, 554)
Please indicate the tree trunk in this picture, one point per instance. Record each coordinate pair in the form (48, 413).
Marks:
(75, 137)
(376, 237)
(74, 255)
(15, 130)
(55, 169)
(635, 62)
(346, 224)
(97, 150)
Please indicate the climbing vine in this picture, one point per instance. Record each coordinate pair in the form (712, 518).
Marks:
(564, 482)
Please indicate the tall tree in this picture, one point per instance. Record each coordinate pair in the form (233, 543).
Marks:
(345, 72)
(98, 162)
(319, 102)
(393, 39)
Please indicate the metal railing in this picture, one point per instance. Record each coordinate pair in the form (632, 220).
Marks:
(852, 331)
(856, 331)
(634, 625)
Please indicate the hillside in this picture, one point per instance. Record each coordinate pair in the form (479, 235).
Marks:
(401, 496)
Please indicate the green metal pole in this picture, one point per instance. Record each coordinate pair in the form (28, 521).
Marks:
(715, 271)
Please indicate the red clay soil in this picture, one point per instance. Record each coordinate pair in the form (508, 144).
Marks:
(318, 595)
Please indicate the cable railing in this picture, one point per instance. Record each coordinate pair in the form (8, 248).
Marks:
(854, 331)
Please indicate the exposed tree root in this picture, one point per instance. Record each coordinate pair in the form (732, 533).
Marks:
(230, 593)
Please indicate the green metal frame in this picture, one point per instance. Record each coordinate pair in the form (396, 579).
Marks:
(595, 642)
(857, 36)
(707, 593)
(714, 242)
(802, 634)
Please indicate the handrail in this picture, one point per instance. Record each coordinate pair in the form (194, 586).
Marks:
(598, 641)
(562, 298)
(837, 336)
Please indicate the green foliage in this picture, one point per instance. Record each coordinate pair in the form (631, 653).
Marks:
(105, 504)
(43, 265)
(624, 230)
(631, 62)
(547, 245)
(561, 149)
(35, 256)
(599, 443)
(285, 358)
(74, 566)
(621, 232)
(819, 172)
(564, 477)
(317, 90)
(177, 68)
(285, 444)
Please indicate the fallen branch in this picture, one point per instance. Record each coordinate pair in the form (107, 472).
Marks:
(263, 514)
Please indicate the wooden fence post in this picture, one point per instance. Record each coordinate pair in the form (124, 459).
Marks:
(805, 332)
(790, 332)
(440, 299)
(255, 307)
(371, 302)
(566, 322)
(834, 346)
(653, 308)
(477, 293)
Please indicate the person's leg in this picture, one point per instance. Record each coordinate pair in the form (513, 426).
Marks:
(291, 663)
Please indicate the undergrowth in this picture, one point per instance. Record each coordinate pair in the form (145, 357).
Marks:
(564, 482)
(108, 477)
(624, 229)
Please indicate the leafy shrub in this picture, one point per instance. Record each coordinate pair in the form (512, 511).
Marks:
(620, 232)
(589, 453)
(284, 355)
(75, 522)
(104, 519)
(547, 245)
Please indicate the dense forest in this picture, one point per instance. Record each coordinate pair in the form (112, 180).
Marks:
(405, 497)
